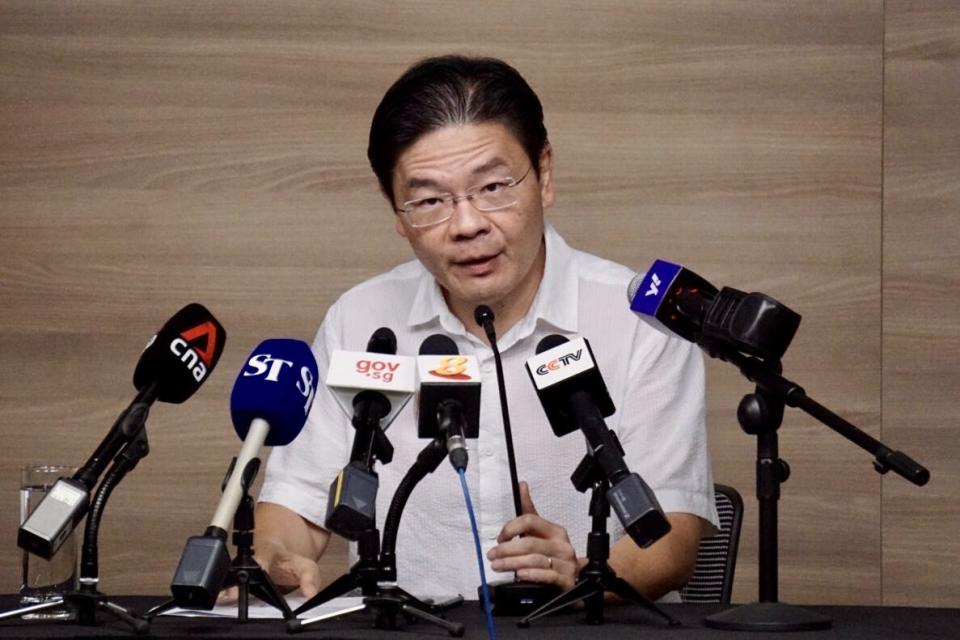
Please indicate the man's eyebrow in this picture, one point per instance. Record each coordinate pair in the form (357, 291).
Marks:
(418, 183)
(489, 165)
(430, 183)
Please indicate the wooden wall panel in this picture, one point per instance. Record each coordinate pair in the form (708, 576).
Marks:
(921, 304)
(154, 154)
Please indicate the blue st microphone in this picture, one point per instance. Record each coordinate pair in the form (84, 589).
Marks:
(269, 405)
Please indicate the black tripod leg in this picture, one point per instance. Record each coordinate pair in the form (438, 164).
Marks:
(267, 591)
(579, 591)
(625, 590)
(335, 589)
(455, 629)
(139, 625)
(160, 608)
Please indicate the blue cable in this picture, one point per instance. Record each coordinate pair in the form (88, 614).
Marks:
(491, 630)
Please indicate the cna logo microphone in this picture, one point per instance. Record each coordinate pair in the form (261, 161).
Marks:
(181, 355)
(196, 348)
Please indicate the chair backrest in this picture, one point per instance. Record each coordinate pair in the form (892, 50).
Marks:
(712, 579)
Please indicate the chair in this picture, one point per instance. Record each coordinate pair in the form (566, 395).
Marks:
(712, 579)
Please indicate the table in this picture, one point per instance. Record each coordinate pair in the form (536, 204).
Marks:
(622, 622)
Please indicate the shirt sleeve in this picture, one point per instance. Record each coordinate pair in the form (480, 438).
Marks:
(298, 476)
(662, 423)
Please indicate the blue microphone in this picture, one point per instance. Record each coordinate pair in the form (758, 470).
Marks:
(269, 405)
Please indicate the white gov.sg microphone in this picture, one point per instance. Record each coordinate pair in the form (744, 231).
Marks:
(352, 372)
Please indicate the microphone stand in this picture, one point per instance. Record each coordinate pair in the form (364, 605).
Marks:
(379, 584)
(244, 572)
(597, 576)
(761, 414)
(510, 597)
(86, 600)
(369, 445)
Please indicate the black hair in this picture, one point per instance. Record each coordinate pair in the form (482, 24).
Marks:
(453, 90)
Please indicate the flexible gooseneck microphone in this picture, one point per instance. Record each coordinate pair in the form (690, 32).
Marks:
(484, 318)
(175, 363)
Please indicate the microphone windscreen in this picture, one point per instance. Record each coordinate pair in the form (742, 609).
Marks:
(482, 315)
(384, 341)
(549, 342)
(438, 345)
(276, 384)
(182, 354)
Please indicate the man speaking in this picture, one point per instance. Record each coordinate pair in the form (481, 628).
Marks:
(462, 156)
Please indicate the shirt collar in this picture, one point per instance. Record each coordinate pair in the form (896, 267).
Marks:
(556, 301)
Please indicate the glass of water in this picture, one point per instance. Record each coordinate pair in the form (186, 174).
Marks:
(43, 580)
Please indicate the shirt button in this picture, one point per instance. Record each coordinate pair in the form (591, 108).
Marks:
(487, 368)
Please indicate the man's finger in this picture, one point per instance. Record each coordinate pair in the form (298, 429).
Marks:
(228, 596)
(530, 525)
(526, 502)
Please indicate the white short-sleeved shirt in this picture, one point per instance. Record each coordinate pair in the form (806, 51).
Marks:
(656, 383)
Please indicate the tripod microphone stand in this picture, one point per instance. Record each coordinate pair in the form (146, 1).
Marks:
(377, 578)
(86, 600)
(761, 414)
(244, 572)
(597, 576)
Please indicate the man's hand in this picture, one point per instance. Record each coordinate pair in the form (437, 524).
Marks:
(289, 571)
(284, 543)
(542, 554)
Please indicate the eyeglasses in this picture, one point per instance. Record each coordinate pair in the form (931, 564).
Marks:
(493, 196)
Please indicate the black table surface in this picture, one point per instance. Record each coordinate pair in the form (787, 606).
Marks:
(623, 621)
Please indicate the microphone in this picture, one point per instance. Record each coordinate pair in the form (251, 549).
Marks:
(449, 400)
(673, 299)
(574, 396)
(175, 363)
(393, 377)
(268, 406)
(351, 502)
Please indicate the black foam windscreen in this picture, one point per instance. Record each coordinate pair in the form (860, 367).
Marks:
(438, 345)
(549, 342)
(482, 315)
(181, 355)
(382, 341)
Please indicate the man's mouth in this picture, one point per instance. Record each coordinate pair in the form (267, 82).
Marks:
(477, 264)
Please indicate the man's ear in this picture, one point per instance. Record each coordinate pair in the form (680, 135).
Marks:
(398, 225)
(546, 176)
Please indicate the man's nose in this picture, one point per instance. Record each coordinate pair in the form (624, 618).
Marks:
(467, 220)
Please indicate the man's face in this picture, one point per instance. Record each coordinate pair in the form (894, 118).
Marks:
(493, 258)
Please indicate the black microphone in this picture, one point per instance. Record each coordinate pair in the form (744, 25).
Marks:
(483, 315)
(669, 296)
(449, 399)
(351, 501)
(370, 406)
(574, 396)
(174, 364)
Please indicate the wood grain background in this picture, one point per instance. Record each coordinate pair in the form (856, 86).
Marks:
(153, 154)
